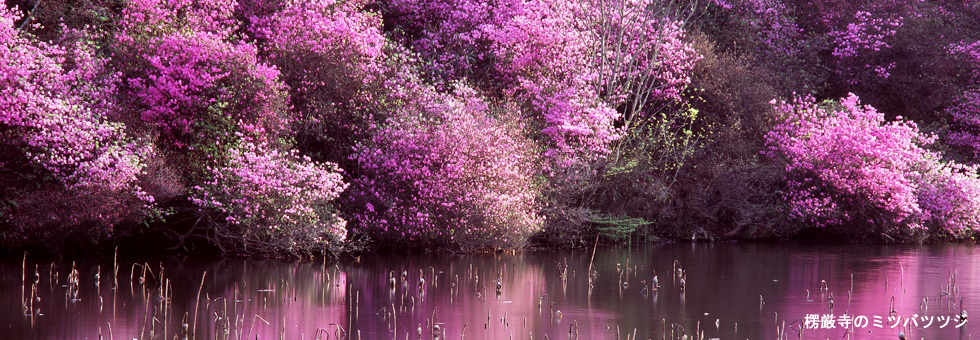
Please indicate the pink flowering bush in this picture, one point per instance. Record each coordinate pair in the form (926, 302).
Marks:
(572, 63)
(448, 171)
(273, 201)
(969, 52)
(155, 18)
(524, 50)
(949, 195)
(674, 59)
(333, 57)
(966, 123)
(965, 111)
(773, 20)
(847, 166)
(591, 78)
(319, 37)
(56, 117)
(223, 110)
(326, 49)
(191, 79)
(643, 61)
(858, 46)
(628, 59)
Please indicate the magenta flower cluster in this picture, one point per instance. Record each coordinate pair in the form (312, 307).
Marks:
(58, 118)
(530, 52)
(321, 43)
(207, 92)
(858, 34)
(965, 112)
(279, 198)
(864, 38)
(674, 59)
(949, 195)
(846, 164)
(774, 21)
(566, 60)
(449, 169)
(190, 70)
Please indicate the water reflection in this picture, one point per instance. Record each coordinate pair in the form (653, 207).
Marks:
(729, 291)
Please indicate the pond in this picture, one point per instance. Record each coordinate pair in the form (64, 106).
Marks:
(730, 291)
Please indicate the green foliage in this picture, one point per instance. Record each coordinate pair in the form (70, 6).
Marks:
(616, 227)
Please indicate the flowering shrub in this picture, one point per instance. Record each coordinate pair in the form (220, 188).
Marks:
(845, 164)
(58, 118)
(448, 170)
(332, 56)
(273, 200)
(969, 53)
(224, 110)
(643, 63)
(775, 22)
(866, 34)
(572, 62)
(191, 79)
(949, 195)
(860, 43)
(626, 57)
(674, 61)
(966, 110)
(525, 50)
(966, 121)
(863, 38)
(323, 47)
(155, 18)
(585, 75)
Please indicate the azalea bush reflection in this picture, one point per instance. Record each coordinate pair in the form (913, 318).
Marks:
(283, 126)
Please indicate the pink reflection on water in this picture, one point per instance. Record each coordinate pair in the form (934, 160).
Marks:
(888, 291)
(724, 282)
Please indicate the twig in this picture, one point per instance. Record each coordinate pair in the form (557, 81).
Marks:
(197, 303)
(594, 246)
(29, 15)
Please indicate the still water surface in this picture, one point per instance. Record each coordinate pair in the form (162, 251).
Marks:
(731, 291)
